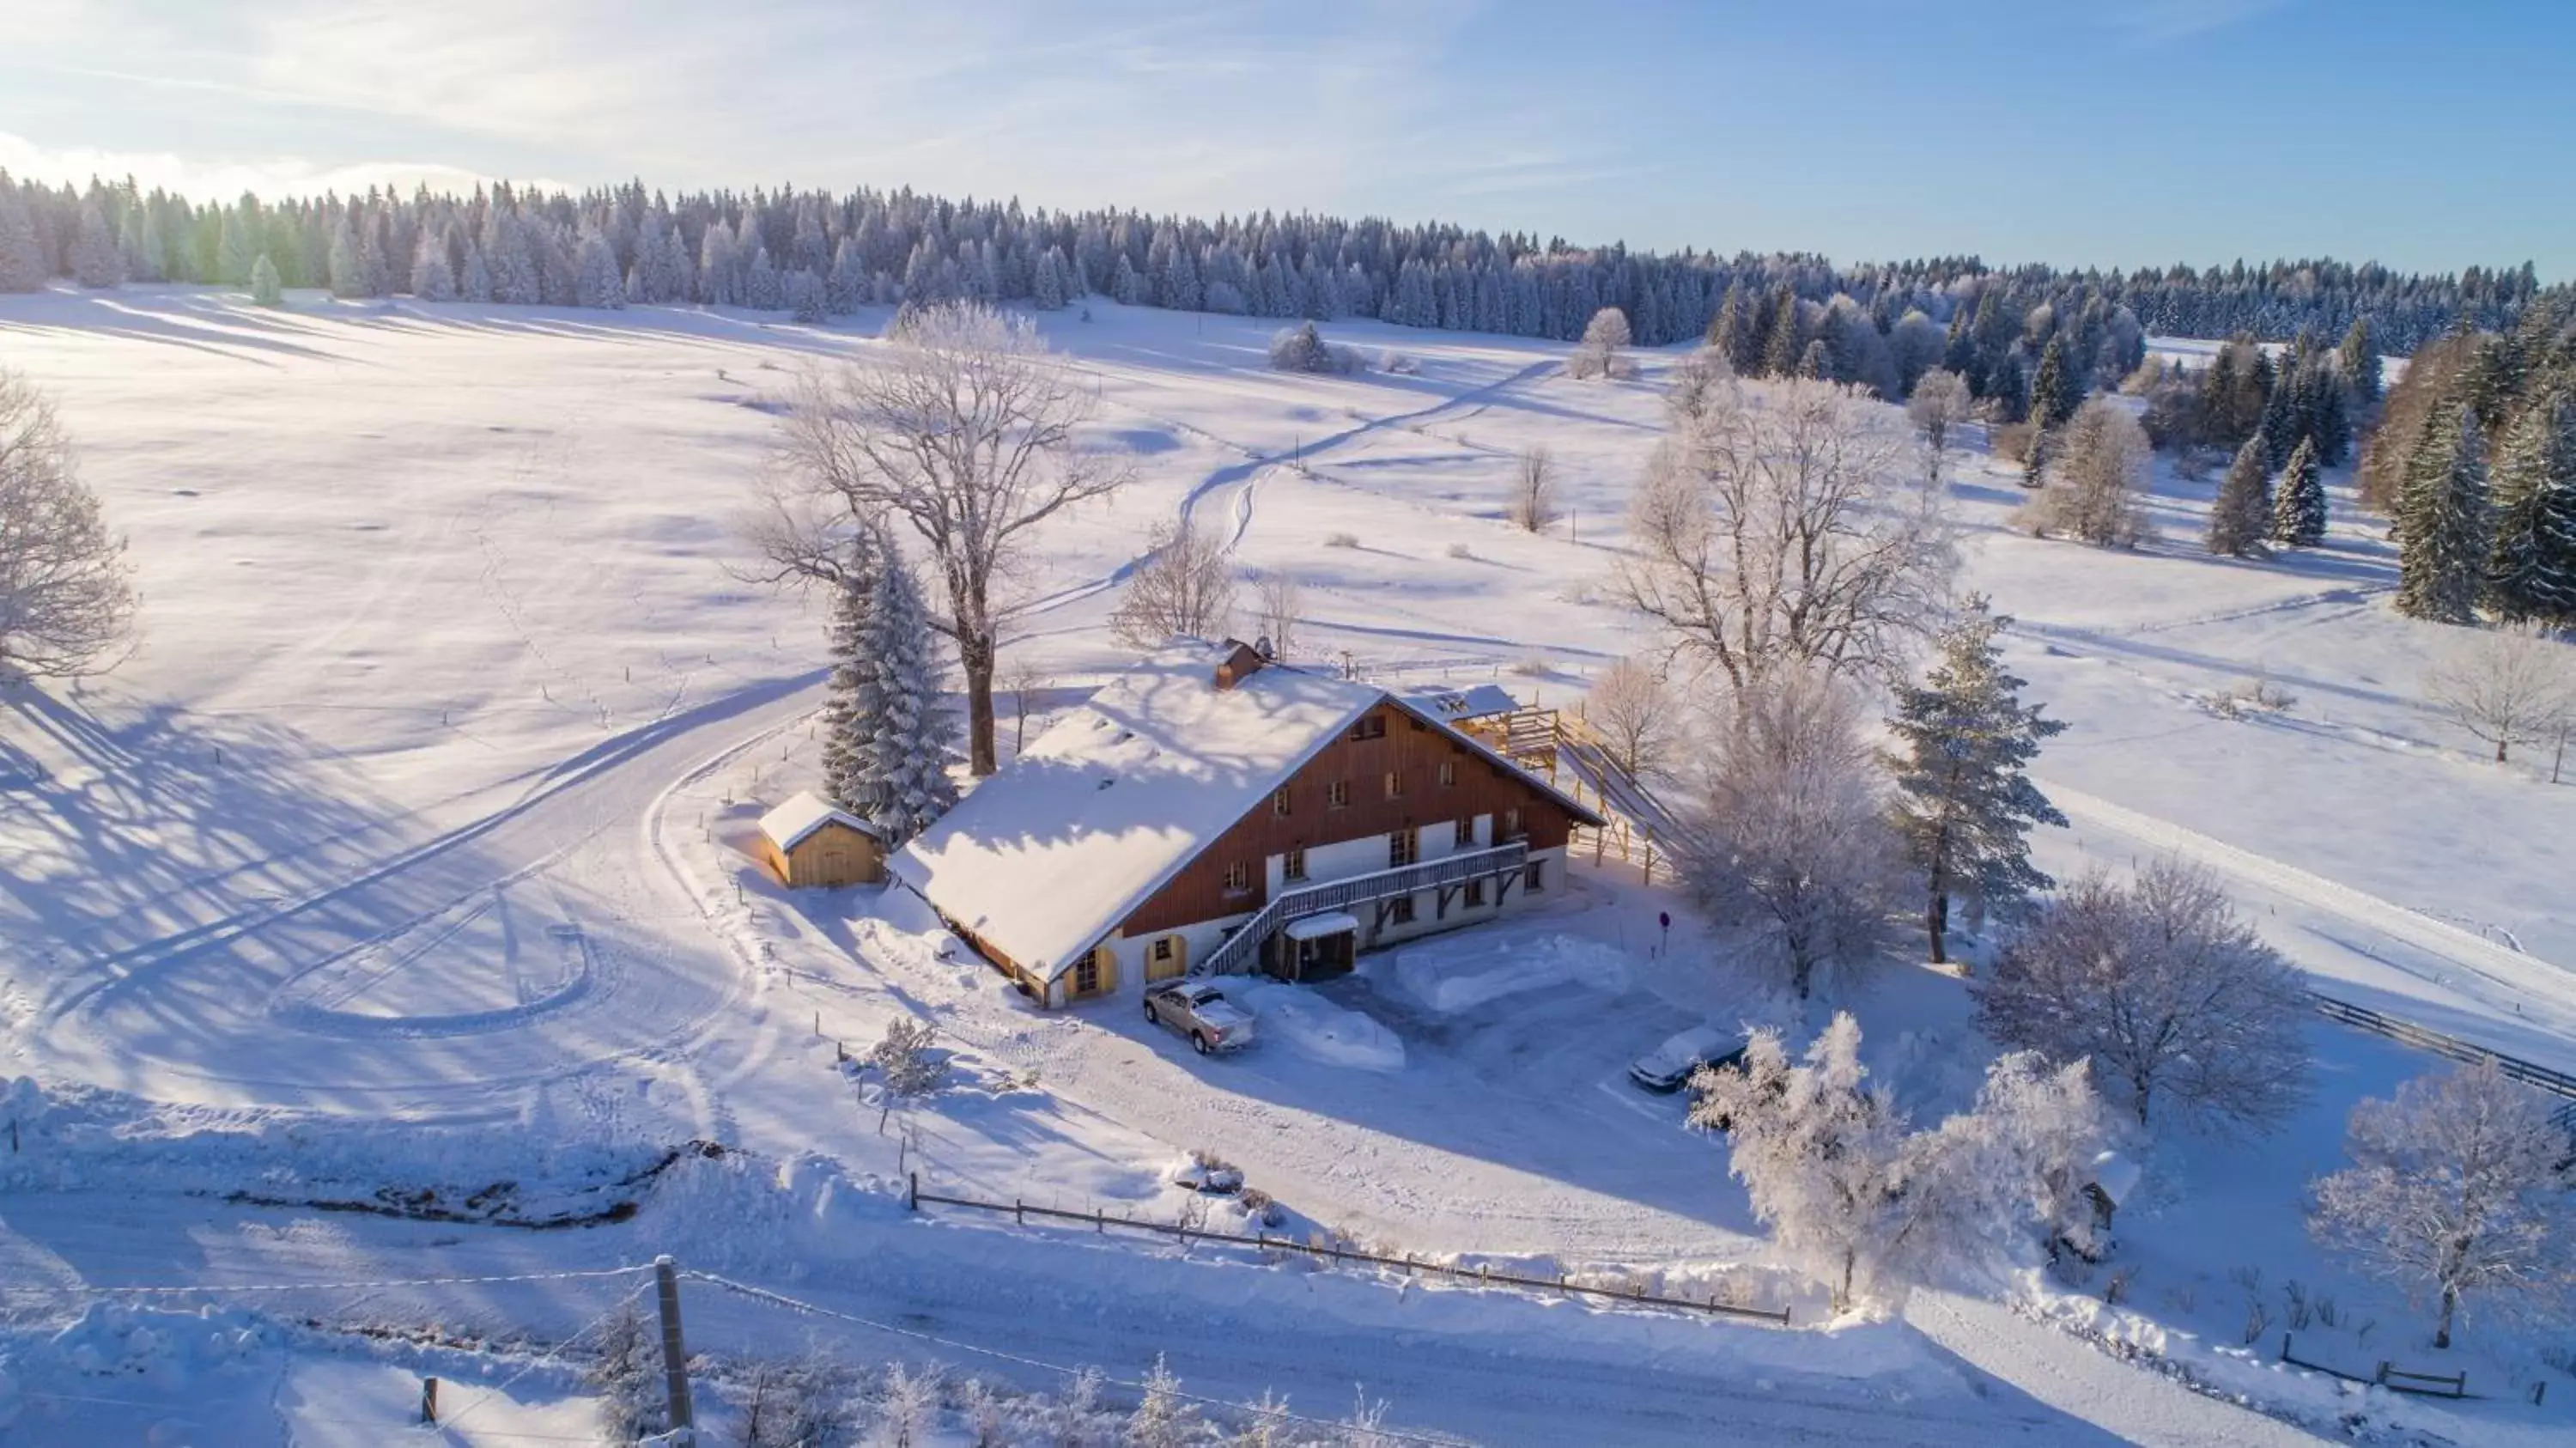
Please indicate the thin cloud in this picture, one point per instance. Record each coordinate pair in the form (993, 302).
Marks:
(2157, 21)
(222, 179)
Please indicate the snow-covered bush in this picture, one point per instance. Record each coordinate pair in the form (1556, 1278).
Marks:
(2093, 478)
(2184, 1012)
(909, 1064)
(1603, 352)
(1302, 348)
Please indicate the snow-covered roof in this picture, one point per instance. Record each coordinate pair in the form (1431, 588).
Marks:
(2116, 1175)
(1046, 857)
(1476, 701)
(1316, 927)
(804, 812)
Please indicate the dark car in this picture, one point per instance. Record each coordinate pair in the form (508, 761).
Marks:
(1669, 1067)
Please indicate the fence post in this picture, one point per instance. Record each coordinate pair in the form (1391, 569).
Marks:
(675, 1355)
(2285, 1347)
(1019, 1211)
(912, 1192)
(429, 1400)
(2381, 1377)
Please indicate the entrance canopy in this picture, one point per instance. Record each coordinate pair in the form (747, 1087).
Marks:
(1316, 927)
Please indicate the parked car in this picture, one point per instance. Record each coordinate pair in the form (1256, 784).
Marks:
(1202, 1013)
(1669, 1067)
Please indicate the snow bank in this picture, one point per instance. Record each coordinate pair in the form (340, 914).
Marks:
(1320, 1031)
(1463, 972)
(741, 1212)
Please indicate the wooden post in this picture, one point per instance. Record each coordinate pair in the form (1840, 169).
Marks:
(675, 1353)
(912, 1192)
(429, 1400)
(1019, 1211)
(1650, 859)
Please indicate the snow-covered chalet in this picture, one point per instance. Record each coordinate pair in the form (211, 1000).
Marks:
(1214, 812)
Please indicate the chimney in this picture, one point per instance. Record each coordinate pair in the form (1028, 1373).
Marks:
(1242, 661)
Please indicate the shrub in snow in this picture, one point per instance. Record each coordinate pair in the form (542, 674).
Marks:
(625, 1372)
(909, 1065)
(2183, 1011)
(1302, 348)
(1786, 834)
(2455, 1191)
(1341, 540)
(907, 1408)
(1397, 364)
(807, 1404)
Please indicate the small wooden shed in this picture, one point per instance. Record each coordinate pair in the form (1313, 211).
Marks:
(807, 840)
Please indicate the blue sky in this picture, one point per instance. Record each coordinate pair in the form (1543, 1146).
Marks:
(2112, 132)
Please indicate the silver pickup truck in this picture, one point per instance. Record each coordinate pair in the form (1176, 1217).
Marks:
(1201, 1012)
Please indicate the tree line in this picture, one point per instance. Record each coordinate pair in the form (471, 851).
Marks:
(817, 254)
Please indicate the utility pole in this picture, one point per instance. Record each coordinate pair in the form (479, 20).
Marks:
(675, 1356)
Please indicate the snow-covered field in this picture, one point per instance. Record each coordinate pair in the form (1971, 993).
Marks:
(407, 853)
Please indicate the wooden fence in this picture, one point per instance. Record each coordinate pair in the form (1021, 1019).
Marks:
(1100, 1222)
(2389, 1376)
(2423, 1038)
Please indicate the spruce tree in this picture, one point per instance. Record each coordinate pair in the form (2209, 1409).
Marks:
(95, 259)
(846, 731)
(1783, 347)
(2533, 576)
(263, 282)
(1965, 802)
(914, 742)
(2299, 506)
(2283, 421)
(2445, 535)
(2054, 392)
(2243, 510)
(239, 246)
(2358, 362)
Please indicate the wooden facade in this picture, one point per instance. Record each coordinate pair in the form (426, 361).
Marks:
(832, 854)
(1397, 771)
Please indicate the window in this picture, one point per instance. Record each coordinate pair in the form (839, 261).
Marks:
(1086, 975)
(1475, 895)
(1399, 911)
(1372, 727)
(1448, 773)
(1534, 879)
(1279, 802)
(1337, 795)
(1163, 949)
(1462, 831)
(1399, 849)
(1395, 784)
(1292, 866)
(1238, 877)
(1511, 824)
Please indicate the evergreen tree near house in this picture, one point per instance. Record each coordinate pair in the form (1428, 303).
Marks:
(2533, 575)
(2299, 504)
(1964, 799)
(2242, 514)
(2445, 534)
(889, 736)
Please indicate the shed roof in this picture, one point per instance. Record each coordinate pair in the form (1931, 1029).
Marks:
(1476, 701)
(802, 813)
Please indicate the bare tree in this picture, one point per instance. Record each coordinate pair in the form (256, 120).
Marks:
(1603, 350)
(2093, 478)
(2515, 684)
(66, 589)
(1636, 714)
(964, 429)
(1027, 683)
(1534, 489)
(2455, 1191)
(1279, 600)
(1938, 409)
(2173, 997)
(1182, 586)
(1778, 529)
(1787, 834)
(807, 1404)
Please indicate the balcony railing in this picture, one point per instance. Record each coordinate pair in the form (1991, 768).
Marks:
(1241, 949)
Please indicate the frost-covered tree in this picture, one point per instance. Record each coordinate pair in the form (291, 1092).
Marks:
(95, 259)
(264, 289)
(2455, 1192)
(909, 1065)
(1964, 799)
(240, 244)
(2444, 526)
(348, 268)
(2023, 1158)
(22, 255)
(1785, 834)
(1603, 352)
(806, 1404)
(1183, 587)
(66, 589)
(2184, 1012)
(804, 295)
(474, 282)
(2095, 474)
(2242, 513)
(1163, 1418)
(1534, 487)
(1938, 409)
(2514, 684)
(913, 740)
(2299, 506)
(625, 1375)
(2534, 572)
(907, 1408)
(431, 281)
(2055, 391)
(1637, 715)
(597, 281)
(963, 430)
(1781, 531)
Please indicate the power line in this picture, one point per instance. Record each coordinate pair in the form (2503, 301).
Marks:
(780, 1299)
(85, 1289)
(548, 1356)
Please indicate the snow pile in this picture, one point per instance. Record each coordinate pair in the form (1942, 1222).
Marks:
(164, 1349)
(1466, 971)
(1320, 1031)
(737, 1211)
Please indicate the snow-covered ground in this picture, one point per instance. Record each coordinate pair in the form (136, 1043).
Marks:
(408, 854)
